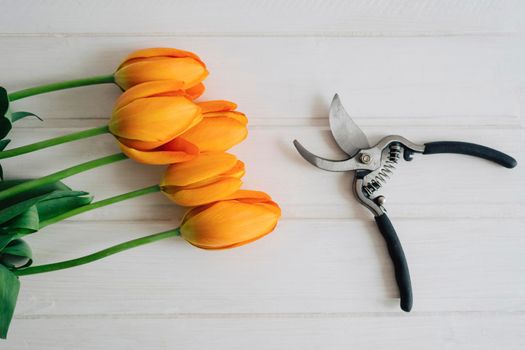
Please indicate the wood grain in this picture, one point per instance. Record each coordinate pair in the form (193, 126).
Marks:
(428, 70)
(435, 331)
(289, 17)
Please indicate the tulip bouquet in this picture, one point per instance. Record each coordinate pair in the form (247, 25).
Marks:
(156, 120)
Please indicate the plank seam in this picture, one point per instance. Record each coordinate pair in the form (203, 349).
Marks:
(298, 315)
(320, 34)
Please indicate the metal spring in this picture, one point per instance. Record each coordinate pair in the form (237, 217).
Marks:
(394, 154)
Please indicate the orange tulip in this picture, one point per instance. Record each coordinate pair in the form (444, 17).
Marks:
(207, 178)
(161, 64)
(221, 128)
(243, 217)
(148, 117)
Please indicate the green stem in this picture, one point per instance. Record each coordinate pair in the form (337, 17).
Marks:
(59, 175)
(98, 255)
(102, 79)
(54, 141)
(100, 204)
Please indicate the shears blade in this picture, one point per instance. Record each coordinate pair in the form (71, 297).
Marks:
(347, 134)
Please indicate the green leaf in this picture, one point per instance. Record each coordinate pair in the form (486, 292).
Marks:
(17, 254)
(20, 226)
(16, 116)
(4, 101)
(13, 235)
(5, 121)
(42, 208)
(9, 287)
(29, 194)
(5, 126)
(27, 220)
(18, 208)
(7, 118)
(51, 208)
(4, 143)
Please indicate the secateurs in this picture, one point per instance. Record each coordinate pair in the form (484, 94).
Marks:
(373, 165)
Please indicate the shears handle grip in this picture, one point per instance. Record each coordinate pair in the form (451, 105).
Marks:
(470, 149)
(398, 258)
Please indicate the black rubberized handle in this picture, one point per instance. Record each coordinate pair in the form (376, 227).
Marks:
(398, 258)
(470, 149)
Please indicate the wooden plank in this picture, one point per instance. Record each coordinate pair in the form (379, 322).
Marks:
(430, 186)
(472, 331)
(305, 266)
(236, 17)
(291, 81)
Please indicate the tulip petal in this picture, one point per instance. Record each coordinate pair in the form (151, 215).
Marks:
(195, 91)
(217, 106)
(141, 145)
(238, 170)
(212, 192)
(172, 152)
(205, 166)
(249, 196)
(238, 116)
(149, 89)
(228, 224)
(216, 134)
(154, 119)
(186, 70)
(159, 52)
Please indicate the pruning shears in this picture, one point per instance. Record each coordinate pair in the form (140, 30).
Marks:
(373, 165)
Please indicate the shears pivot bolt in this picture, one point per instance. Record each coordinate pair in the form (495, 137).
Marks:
(364, 158)
(380, 200)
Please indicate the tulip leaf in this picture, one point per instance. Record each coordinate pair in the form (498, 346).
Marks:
(41, 208)
(57, 186)
(14, 234)
(50, 208)
(7, 118)
(18, 208)
(17, 254)
(9, 287)
(4, 143)
(16, 116)
(5, 126)
(5, 121)
(20, 226)
(4, 100)
(29, 220)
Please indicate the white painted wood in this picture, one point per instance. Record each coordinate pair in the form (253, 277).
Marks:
(306, 266)
(453, 80)
(465, 187)
(429, 70)
(288, 17)
(433, 331)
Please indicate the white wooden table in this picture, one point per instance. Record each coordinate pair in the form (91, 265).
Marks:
(429, 70)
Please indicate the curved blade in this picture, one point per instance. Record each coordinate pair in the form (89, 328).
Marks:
(346, 133)
(324, 163)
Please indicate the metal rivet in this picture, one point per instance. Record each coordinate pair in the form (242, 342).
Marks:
(365, 158)
(380, 200)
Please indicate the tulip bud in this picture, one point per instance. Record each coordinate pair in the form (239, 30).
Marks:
(220, 129)
(148, 117)
(207, 178)
(243, 217)
(161, 64)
